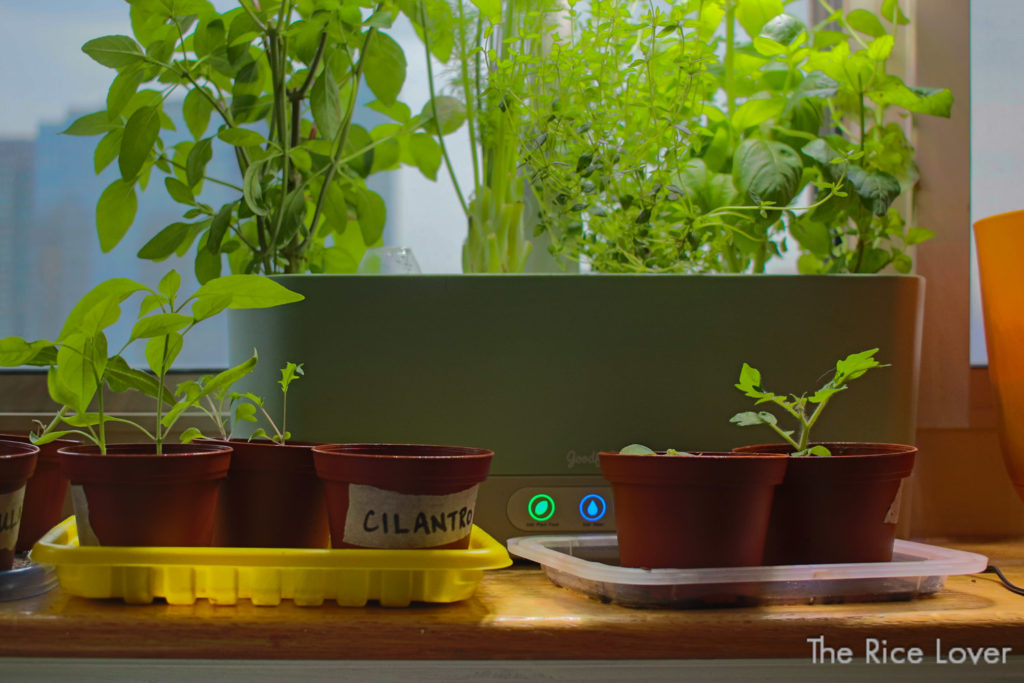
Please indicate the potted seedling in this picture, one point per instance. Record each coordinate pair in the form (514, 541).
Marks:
(45, 491)
(272, 497)
(156, 492)
(675, 509)
(839, 501)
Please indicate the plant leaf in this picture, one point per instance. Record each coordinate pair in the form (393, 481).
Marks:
(767, 171)
(140, 134)
(384, 67)
(115, 51)
(248, 291)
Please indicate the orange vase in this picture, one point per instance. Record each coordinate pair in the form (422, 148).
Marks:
(1000, 246)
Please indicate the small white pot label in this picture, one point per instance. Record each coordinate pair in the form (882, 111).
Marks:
(10, 517)
(893, 514)
(86, 536)
(386, 519)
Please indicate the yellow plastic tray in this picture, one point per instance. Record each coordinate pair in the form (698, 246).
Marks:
(266, 576)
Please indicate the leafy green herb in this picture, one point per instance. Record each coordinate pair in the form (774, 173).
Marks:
(640, 449)
(247, 411)
(805, 409)
(273, 86)
(81, 366)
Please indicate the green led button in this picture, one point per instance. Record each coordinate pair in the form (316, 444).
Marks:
(541, 507)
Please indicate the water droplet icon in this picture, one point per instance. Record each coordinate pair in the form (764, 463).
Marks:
(592, 509)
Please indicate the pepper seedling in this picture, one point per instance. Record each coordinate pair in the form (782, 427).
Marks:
(806, 409)
(640, 449)
(247, 411)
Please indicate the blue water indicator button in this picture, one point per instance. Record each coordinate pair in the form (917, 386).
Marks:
(593, 507)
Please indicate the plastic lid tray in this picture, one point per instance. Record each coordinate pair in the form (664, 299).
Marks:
(266, 576)
(589, 563)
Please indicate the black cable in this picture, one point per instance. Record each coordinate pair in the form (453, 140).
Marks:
(992, 569)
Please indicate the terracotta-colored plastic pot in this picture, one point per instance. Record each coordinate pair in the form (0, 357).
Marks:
(841, 508)
(133, 497)
(401, 495)
(687, 511)
(17, 462)
(271, 498)
(44, 492)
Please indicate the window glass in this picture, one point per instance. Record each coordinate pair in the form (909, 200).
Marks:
(997, 139)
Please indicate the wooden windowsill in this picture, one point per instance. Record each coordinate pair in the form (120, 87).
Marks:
(516, 614)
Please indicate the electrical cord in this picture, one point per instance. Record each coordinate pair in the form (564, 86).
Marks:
(992, 569)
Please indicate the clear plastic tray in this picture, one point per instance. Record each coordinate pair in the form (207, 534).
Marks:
(26, 580)
(266, 576)
(589, 563)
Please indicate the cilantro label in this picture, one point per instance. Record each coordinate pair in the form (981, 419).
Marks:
(387, 519)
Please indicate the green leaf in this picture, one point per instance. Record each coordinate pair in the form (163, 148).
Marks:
(864, 21)
(100, 307)
(819, 451)
(161, 352)
(816, 84)
(783, 29)
(855, 365)
(636, 449)
(252, 188)
(750, 419)
(245, 412)
(159, 325)
(191, 434)
(223, 381)
(241, 137)
(289, 373)
(754, 112)
(107, 150)
(892, 13)
(491, 9)
(248, 291)
(115, 51)
(151, 302)
(932, 101)
(881, 48)
(81, 360)
(140, 134)
(451, 113)
(384, 67)
(198, 157)
(218, 227)
(115, 212)
(372, 214)
(169, 284)
(918, 235)
(15, 351)
(209, 306)
(121, 377)
(427, 153)
(877, 190)
(208, 265)
(750, 381)
(767, 171)
(197, 109)
(96, 123)
(121, 91)
(165, 242)
(325, 103)
(754, 14)
(178, 191)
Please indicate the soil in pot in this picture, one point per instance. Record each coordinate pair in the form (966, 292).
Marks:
(44, 493)
(689, 511)
(401, 495)
(17, 463)
(272, 497)
(133, 497)
(841, 508)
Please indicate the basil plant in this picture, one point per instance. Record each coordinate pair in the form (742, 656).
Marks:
(273, 85)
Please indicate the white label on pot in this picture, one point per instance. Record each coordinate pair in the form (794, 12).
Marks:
(385, 519)
(893, 515)
(86, 536)
(10, 517)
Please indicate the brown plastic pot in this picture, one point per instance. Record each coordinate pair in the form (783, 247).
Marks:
(44, 492)
(841, 508)
(401, 495)
(688, 511)
(271, 498)
(133, 497)
(17, 463)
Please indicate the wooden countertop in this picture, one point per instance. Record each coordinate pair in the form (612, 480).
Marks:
(518, 614)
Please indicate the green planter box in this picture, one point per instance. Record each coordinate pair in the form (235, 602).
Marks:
(547, 370)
